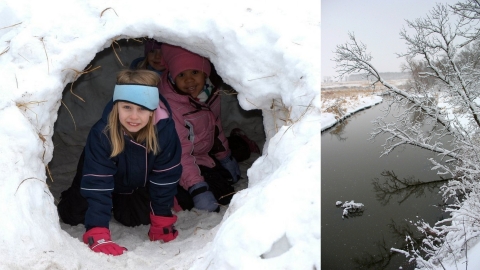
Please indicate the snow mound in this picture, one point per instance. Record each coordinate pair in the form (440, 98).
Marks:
(268, 53)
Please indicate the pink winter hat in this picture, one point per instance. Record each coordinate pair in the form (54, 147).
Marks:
(178, 60)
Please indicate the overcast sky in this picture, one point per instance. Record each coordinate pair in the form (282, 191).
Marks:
(376, 23)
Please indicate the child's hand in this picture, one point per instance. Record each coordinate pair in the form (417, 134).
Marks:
(203, 198)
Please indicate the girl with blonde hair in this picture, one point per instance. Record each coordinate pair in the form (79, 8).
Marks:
(130, 166)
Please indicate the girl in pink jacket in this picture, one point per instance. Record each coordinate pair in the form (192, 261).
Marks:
(208, 167)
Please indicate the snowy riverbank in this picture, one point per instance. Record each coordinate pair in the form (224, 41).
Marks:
(327, 120)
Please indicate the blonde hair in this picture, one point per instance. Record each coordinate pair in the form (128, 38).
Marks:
(147, 134)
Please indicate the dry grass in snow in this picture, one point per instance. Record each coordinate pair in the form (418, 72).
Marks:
(337, 101)
(337, 97)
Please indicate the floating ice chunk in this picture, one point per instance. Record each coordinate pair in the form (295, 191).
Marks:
(352, 209)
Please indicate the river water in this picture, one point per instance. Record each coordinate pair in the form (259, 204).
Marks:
(351, 164)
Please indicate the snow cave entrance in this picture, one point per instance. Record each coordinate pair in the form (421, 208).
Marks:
(83, 102)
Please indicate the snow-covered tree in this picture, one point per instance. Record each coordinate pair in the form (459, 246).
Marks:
(443, 58)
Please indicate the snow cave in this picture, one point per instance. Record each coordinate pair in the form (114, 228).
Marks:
(58, 74)
(83, 102)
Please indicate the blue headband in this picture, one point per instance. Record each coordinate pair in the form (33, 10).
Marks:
(142, 95)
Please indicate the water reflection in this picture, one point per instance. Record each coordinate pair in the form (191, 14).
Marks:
(387, 188)
(392, 186)
(338, 130)
(384, 256)
(350, 168)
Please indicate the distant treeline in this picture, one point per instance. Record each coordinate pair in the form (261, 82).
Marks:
(384, 75)
(360, 77)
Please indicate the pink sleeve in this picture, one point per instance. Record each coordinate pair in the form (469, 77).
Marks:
(160, 112)
(191, 174)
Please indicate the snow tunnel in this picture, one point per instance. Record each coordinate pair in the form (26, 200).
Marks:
(57, 74)
(84, 100)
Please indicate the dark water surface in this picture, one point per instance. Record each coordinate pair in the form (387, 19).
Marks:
(350, 166)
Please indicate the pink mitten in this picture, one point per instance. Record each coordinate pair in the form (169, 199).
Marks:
(161, 228)
(99, 240)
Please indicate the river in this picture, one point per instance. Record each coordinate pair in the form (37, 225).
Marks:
(351, 165)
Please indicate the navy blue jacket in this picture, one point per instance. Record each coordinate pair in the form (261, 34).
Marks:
(132, 168)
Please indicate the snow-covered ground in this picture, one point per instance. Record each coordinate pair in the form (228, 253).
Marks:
(268, 53)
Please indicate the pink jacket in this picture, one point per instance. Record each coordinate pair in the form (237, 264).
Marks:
(200, 131)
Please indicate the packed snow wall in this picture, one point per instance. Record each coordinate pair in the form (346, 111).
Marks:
(270, 55)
